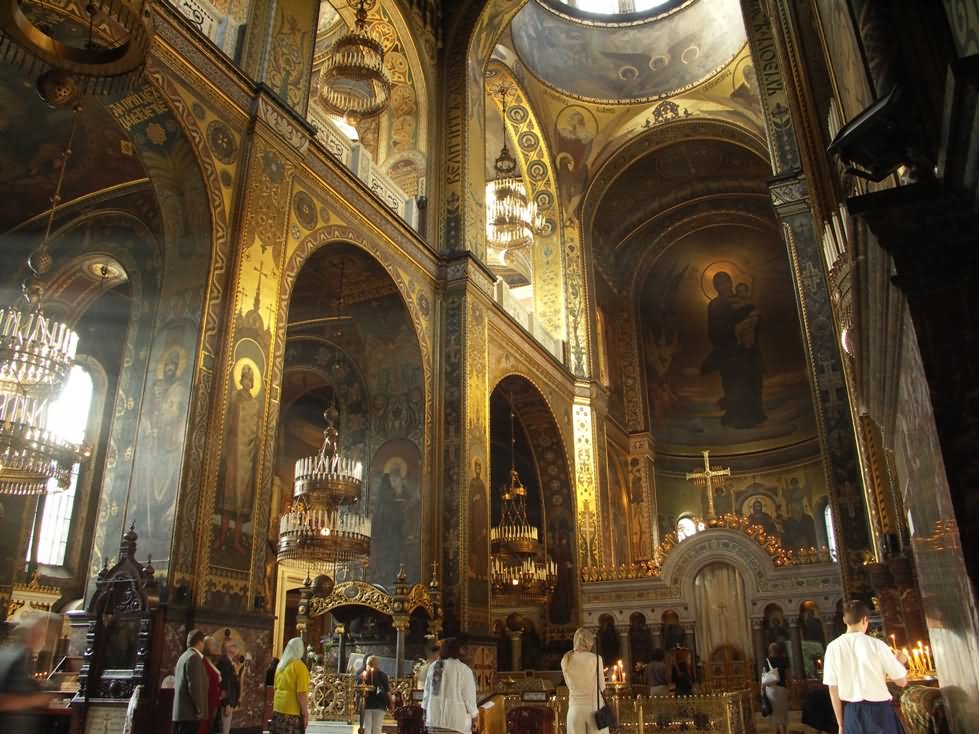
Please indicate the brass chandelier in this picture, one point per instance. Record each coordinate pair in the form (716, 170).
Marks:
(512, 218)
(517, 568)
(353, 82)
(324, 526)
(36, 355)
(67, 69)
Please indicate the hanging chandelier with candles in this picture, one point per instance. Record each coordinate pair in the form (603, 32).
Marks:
(519, 568)
(325, 527)
(36, 355)
(67, 68)
(512, 218)
(353, 81)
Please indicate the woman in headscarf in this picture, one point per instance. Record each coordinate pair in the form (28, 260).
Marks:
(584, 675)
(449, 696)
(290, 705)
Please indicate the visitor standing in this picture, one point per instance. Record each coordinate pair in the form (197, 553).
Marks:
(449, 696)
(19, 691)
(190, 687)
(855, 668)
(377, 699)
(657, 674)
(290, 705)
(778, 692)
(584, 675)
(230, 684)
(211, 653)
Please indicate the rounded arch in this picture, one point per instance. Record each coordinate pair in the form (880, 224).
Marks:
(655, 139)
(384, 311)
(557, 496)
(720, 545)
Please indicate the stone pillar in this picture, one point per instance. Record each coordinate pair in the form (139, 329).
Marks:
(642, 492)
(690, 636)
(758, 642)
(465, 461)
(516, 649)
(341, 631)
(656, 628)
(795, 635)
(278, 48)
(401, 628)
(791, 198)
(625, 653)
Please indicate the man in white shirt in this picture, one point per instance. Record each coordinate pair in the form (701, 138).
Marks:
(855, 668)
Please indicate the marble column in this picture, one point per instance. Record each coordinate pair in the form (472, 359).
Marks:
(516, 649)
(790, 193)
(798, 669)
(656, 628)
(758, 642)
(401, 629)
(625, 653)
(341, 631)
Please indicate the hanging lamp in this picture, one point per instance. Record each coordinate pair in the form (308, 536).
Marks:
(353, 81)
(36, 355)
(512, 219)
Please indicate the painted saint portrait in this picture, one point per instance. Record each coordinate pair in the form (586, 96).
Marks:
(395, 511)
(237, 483)
(760, 510)
(160, 440)
(722, 346)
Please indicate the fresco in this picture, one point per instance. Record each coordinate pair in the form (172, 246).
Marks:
(789, 503)
(395, 502)
(724, 363)
(628, 63)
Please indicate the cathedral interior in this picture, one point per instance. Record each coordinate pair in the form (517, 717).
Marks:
(383, 321)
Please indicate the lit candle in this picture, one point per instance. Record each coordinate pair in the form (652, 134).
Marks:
(893, 644)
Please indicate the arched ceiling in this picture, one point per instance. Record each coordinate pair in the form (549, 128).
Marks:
(102, 154)
(616, 63)
(672, 176)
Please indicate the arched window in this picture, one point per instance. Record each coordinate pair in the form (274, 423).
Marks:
(69, 415)
(687, 526)
(830, 531)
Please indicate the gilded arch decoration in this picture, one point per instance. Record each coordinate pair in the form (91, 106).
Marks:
(535, 160)
(550, 453)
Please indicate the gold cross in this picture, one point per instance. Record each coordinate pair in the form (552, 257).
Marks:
(705, 478)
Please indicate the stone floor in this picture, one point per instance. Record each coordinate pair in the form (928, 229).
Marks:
(762, 725)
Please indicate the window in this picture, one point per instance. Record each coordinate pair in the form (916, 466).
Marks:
(687, 526)
(69, 417)
(614, 7)
(830, 531)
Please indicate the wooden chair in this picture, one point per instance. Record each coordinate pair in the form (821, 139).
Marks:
(410, 718)
(530, 720)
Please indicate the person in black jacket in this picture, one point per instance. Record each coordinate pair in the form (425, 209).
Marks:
(21, 696)
(230, 683)
(376, 700)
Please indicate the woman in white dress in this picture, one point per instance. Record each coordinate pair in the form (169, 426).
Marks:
(584, 683)
(449, 697)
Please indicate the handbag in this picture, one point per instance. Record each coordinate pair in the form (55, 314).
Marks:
(764, 704)
(604, 718)
(770, 677)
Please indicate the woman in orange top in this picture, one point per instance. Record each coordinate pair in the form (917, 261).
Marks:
(290, 705)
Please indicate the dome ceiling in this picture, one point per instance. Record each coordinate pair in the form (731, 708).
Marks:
(628, 63)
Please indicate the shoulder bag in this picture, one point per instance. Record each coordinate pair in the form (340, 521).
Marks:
(604, 718)
(771, 676)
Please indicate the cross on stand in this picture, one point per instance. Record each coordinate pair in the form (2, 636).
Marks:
(706, 479)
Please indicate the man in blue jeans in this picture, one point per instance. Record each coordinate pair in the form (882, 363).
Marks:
(855, 669)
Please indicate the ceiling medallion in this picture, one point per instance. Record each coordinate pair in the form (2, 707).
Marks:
(36, 355)
(66, 71)
(354, 83)
(512, 218)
